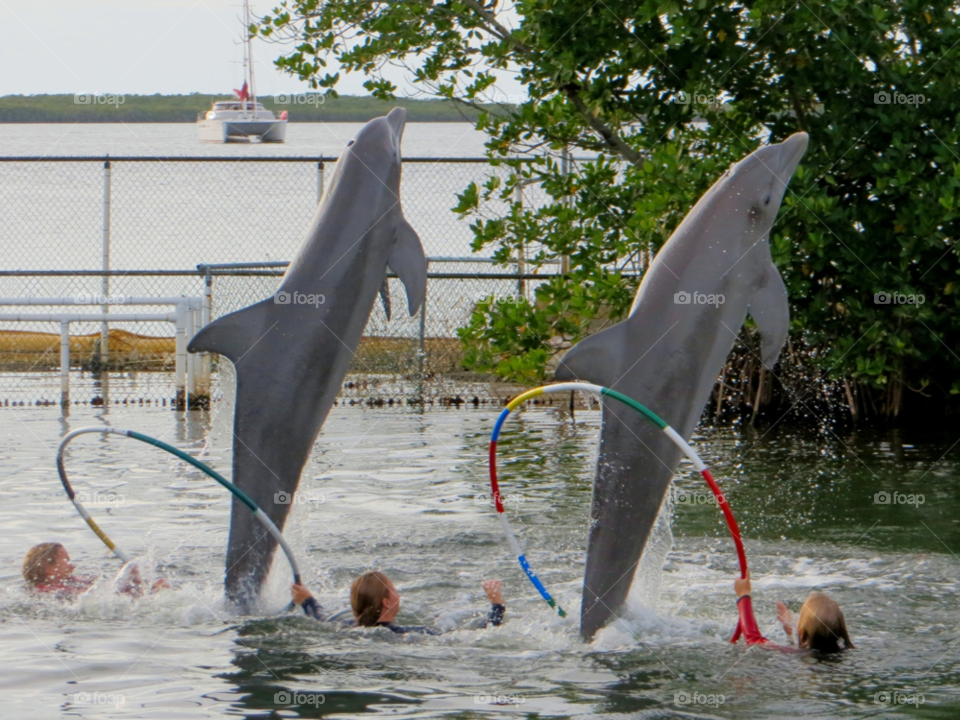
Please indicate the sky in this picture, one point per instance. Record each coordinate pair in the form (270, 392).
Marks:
(143, 47)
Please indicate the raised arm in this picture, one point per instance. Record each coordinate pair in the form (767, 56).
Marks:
(494, 591)
(747, 625)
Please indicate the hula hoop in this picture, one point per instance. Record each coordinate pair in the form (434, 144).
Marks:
(645, 412)
(237, 492)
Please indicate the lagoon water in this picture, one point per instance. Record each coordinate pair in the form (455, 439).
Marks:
(405, 491)
(435, 140)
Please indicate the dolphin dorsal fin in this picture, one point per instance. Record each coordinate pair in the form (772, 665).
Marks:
(234, 334)
(409, 263)
(770, 310)
(593, 359)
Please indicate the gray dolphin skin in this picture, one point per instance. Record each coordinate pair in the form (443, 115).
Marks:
(291, 351)
(668, 354)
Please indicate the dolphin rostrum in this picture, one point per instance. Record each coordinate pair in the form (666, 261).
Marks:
(291, 351)
(668, 353)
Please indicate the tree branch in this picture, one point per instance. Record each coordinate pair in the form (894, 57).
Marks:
(572, 90)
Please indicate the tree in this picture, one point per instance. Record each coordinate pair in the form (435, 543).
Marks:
(666, 95)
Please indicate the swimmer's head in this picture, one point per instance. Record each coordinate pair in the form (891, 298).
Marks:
(821, 625)
(46, 561)
(374, 599)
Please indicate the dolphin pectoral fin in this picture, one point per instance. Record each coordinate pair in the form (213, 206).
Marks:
(385, 296)
(592, 359)
(234, 334)
(409, 263)
(770, 310)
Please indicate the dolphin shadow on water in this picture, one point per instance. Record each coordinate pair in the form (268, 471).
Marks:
(292, 351)
(714, 270)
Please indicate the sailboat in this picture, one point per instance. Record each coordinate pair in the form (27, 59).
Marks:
(242, 119)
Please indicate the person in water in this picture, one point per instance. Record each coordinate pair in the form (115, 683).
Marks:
(821, 625)
(47, 569)
(375, 603)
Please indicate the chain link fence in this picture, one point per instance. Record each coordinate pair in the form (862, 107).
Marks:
(69, 223)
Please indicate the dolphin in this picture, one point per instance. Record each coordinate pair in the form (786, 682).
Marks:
(291, 351)
(712, 271)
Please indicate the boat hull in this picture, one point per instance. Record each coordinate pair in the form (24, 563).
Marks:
(223, 131)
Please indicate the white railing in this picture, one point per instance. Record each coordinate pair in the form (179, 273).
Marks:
(189, 315)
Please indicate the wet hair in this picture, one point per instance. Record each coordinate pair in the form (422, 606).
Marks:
(367, 595)
(821, 625)
(39, 558)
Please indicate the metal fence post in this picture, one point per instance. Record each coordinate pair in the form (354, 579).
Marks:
(64, 363)
(203, 381)
(320, 179)
(421, 355)
(180, 368)
(568, 202)
(105, 252)
(521, 250)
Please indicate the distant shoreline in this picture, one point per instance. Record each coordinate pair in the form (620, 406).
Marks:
(302, 108)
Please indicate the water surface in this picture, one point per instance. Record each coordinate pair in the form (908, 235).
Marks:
(404, 491)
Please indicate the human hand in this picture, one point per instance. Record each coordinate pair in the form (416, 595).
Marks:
(785, 618)
(742, 585)
(300, 594)
(493, 589)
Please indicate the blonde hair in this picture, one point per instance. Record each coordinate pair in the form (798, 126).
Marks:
(821, 625)
(39, 558)
(367, 595)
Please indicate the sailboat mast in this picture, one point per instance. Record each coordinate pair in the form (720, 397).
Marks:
(248, 53)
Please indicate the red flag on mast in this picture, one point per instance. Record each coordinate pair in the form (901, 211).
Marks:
(243, 94)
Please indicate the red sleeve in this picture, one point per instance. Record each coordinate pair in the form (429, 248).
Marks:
(747, 626)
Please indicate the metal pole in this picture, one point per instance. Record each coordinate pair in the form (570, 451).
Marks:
(320, 179)
(568, 201)
(64, 363)
(203, 384)
(191, 368)
(180, 368)
(105, 283)
(521, 251)
(423, 326)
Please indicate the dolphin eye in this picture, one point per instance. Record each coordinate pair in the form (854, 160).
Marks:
(767, 200)
(351, 143)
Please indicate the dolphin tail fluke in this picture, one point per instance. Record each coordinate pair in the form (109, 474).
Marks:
(770, 310)
(592, 359)
(233, 335)
(410, 264)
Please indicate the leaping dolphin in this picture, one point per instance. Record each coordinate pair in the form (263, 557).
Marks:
(291, 351)
(668, 353)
